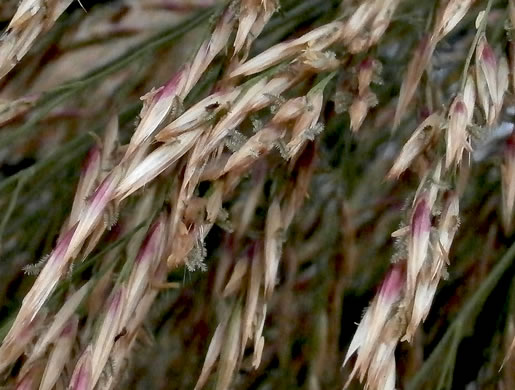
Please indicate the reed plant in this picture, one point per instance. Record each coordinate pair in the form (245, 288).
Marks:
(257, 194)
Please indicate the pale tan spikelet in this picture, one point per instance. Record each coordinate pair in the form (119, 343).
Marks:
(87, 183)
(274, 88)
(248, 14)
(250, 100)
(447, 228)
(259, 340)
(81, 377)
(149, 255)
(503, 73)
(273, 245)
(381, 373)
(359, 109)
(358, 20)
(435, 185)
(490, 72)
(252, 297)
(155, 163)
(508, 183)
(93, 212)
(487, 65)
(417, 143)
(483, 95)
(420, 227)
(381, 21)
(214, 202)
(29, 379)
(210, 48)
(105, 337)
(416, 67)
(366, 72)
(215, 346)
(157, 105)
(229, 354)
(457, 135)
(197, 115)
(290, 110)
(452, 13)
(60, 320)
(469, 97)
(60, 355)
(305, 123)
(34, 300)
(424, 294)
(236, 280)
(512, 45)
(32, 18)
(371, 333)
(19, 336)
(318, 39)
(257, 145)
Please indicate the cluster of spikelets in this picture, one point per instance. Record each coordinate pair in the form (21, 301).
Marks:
(182, 146)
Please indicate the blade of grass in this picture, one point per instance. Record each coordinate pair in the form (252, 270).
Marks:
(464, 316)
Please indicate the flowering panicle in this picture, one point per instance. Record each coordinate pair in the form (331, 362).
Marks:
(32, 18)
(378, 334)
(231, 140)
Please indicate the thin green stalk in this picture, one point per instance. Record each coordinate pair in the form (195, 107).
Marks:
(12, 203)
(464, 317)
(69, 150)
(53, 98)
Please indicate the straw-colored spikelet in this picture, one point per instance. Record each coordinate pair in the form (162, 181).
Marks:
(157, 105)
(230, 350)
(18, 338)
(81, 377)
(212, 354)
(60, 355)
(32, 18)
(317, 39)
(508, 183)
(106, 334)
(418, 245)
(252, 297)
(433, 271)
(492, 80)
(421, 139)
(450, 16)
(59, 322)
(273, 243)
(446, 20)
(460, 116)
(377, 335)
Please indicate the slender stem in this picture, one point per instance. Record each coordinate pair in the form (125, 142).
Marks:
(12, 204)
(463, 317)
(53, 98)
